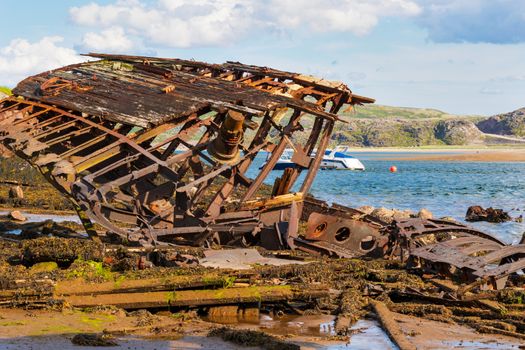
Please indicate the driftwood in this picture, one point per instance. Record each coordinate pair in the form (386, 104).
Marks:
(391, 326)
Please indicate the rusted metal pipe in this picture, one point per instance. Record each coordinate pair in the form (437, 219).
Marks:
(225, 147)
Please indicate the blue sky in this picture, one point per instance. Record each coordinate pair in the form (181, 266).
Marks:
(463, 56)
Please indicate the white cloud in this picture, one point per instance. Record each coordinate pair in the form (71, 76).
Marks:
(108, 40)
(22, 58)
(476, 21)
(187, 23)
(354, 16)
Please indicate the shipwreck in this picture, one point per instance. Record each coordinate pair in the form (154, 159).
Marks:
(156, 151)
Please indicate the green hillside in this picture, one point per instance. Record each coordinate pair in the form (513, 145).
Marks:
(374, 111)
(5, 90)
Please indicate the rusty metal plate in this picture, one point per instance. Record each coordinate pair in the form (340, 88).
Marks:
(355, 235)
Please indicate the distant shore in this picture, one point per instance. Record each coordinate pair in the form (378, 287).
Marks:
(466, 154)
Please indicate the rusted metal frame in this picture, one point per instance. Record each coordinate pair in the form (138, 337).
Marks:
(274, 158)
(314, 111)
(323, 248)
(502, 270)
(188, 129)
(99, 193)
(276, 154)
(178, 231)
(314, 135)
(23, 109)
(42, 124)
(31, 116)
(295, 78)
(226, 189)
(472, 244)
(212, 126)
(195, 162)
(96, 215)
(250, 77)
(200, 153)
(487, 246)
(274, 84)
(126, 160)
(55, 129)
(68, 136)
(503, 253)
(28, 108)
(135, 175)
(309, 147)
(203, 186)
(458, 242)
(234, 228)
(10, 99)
(92, 142)
(113, 149)
(261, 81)
(174, 141)
(110, 150)
(327, 98)
(83, 146)
(220, 170)
(133, 216)
(226, 75)
(337, 102)
(192, 124)
(316, 162)
(419, 228)
(123, 138)
(457, 229)
(98, 156)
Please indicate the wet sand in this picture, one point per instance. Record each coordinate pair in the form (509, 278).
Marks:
(470, 156)
(450, 154)
(43, 329)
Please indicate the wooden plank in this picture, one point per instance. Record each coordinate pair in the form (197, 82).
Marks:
(223, 296)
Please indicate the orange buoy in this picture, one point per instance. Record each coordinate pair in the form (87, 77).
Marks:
(393, 169)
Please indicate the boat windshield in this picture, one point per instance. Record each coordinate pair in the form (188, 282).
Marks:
(342, 149)
(287, 154)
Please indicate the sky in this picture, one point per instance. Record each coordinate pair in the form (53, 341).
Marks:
(459, 56)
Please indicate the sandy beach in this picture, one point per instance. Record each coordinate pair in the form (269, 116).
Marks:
(452, 154)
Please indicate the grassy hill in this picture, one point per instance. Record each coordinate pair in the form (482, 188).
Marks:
(5, 90)
(374, 111)
(387, 126)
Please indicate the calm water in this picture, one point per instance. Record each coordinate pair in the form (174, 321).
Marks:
(445, 188)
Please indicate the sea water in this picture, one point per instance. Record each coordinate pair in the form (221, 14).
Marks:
(447, 189)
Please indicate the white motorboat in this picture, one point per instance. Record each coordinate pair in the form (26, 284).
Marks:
(338, 158)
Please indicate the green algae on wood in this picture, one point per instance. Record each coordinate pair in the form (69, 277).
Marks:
(254, 294)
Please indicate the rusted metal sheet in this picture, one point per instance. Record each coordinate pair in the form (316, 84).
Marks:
(476, 261)
(409, 234)
(358, 236)
(156, 150)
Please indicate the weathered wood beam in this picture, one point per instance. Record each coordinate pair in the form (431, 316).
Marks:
(222, 296)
